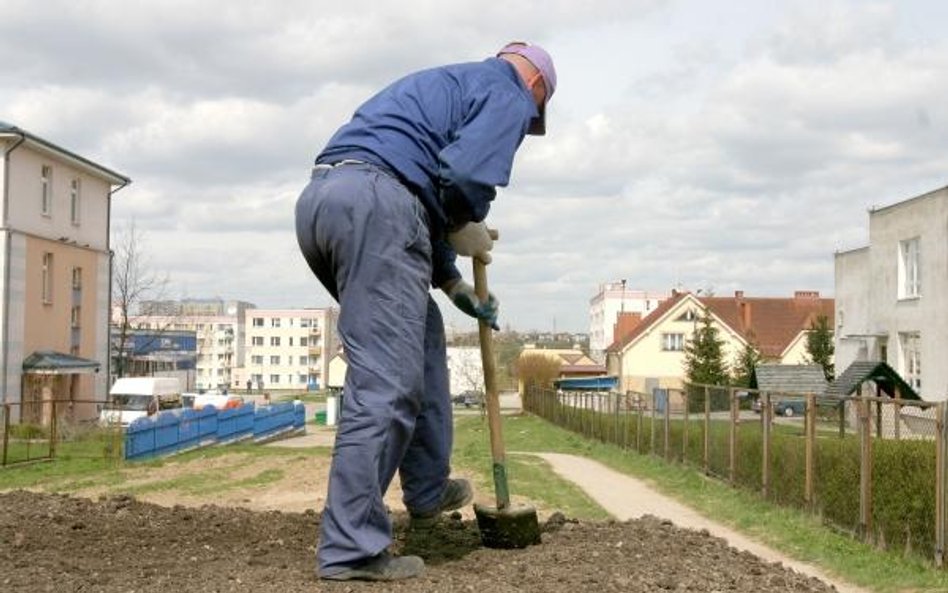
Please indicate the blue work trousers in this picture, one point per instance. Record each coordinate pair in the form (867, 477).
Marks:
(365, 236)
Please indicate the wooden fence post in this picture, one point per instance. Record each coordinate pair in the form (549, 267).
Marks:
(810, 444)
(6, 432)
(707, 430)
(941, 477)
(732, 473)
(766, 417)
(865, 468)
(652, 427)
(684, 427)
(667, 423)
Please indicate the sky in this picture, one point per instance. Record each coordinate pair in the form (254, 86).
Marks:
(693, 145)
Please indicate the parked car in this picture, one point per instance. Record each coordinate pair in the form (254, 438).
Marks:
(469, 399)
(787, 407)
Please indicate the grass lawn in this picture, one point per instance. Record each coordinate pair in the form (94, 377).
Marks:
(792, 532)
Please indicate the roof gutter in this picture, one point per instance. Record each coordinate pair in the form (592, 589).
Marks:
(6, 265)
(108, 249)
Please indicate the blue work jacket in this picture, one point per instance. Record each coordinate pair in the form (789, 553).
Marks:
(449, 134)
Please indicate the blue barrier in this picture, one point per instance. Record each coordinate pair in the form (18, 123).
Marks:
(234, 424)
(172, 431)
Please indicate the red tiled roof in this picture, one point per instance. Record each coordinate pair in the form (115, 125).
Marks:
(770, 323)
(647, 322)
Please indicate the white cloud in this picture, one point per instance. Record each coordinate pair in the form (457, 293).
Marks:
(690, 143)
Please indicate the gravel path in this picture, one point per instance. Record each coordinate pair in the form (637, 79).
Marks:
(626, 497)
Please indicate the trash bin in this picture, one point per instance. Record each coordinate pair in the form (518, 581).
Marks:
(321, 417)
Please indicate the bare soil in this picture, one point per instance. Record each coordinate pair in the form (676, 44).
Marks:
(53, 542)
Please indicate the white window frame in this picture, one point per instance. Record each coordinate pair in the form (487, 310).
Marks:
(274, 340)
(256, 359)
(911, 347)
(47, 278)
(274, 360)
(75, 201)
(257, 322)
(673, 342)
(46, 191)
(256, 340)
(910, 273)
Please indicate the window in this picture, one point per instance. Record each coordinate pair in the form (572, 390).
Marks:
(289, 361)
(275, 341)
(46, 203)
(274, 360)
(47, 278)
(74, 204)
(291, 340)
(912, 359)
(303, 341)
(76, 316)
(77, 278)
(304, 360)
(910, 276)
(275, 322)
(274, 378)
(256, 341)
(305, 322)
(673, 342)
(258, 321)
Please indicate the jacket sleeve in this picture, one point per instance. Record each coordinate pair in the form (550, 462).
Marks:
(481, 155)
(443, 267)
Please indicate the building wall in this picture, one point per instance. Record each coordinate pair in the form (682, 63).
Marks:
(604, 308)
(852, 308)
(465, 369)
(871, 283)
(645, 364)
(27, 324)
(306, 343)
(25, 209)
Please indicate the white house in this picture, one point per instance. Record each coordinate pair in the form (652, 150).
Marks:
(54, 275)
(611, 299)
(890, 294)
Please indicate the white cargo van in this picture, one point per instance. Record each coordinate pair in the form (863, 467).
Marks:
(131, 398)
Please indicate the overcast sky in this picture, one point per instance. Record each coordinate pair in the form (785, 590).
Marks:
(692, 144)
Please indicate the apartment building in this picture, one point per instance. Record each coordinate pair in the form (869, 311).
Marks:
(288, 349)
(54, 276)
(890, 294)
(219, 328)
(611, 301)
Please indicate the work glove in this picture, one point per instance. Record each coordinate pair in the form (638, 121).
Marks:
(464, 298)
(472, 240)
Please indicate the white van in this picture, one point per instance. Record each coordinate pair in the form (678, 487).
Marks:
(131, 398)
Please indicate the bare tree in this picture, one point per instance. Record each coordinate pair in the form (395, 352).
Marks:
(134, 281)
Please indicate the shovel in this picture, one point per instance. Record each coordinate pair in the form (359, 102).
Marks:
(503, 526)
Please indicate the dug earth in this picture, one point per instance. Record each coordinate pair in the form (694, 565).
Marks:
(115, 543)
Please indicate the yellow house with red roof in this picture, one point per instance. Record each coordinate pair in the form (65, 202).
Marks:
(652, 353)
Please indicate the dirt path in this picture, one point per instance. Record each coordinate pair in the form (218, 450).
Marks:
(626, 498)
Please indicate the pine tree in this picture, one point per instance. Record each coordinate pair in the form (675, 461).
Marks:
(704, 355)
(819, 346)
(744, 365)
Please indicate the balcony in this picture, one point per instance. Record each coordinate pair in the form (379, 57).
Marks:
(315, 350)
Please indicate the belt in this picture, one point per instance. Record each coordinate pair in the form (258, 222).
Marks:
(328, 166)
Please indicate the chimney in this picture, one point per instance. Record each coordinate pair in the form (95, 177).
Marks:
(745, 309)
(625, 323)
(806, 294)
(738, 294)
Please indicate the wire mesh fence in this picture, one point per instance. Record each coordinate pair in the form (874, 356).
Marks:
(53, 428)
(871, 466)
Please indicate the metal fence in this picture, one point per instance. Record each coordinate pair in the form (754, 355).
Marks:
(873, 467)
(53, 428)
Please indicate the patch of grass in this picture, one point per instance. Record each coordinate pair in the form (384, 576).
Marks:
(790, 531)
(526, 476)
